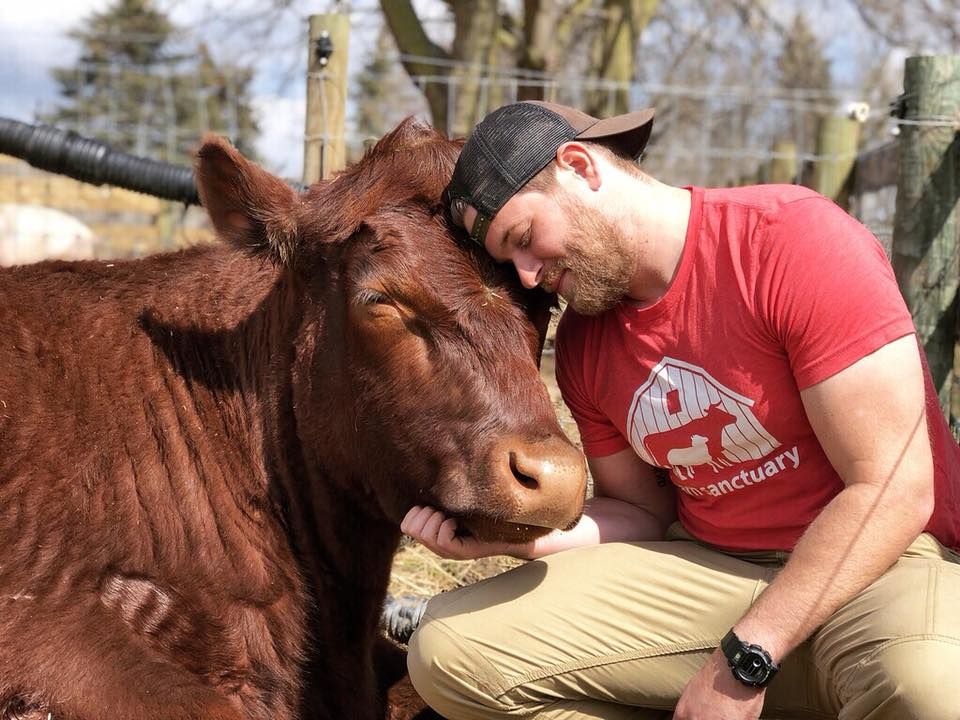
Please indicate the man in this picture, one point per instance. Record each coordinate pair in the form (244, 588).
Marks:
(802, 561)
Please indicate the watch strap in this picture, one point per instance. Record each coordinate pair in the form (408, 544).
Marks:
(730, 644)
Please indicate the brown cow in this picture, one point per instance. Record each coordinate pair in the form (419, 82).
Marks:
(205, 456)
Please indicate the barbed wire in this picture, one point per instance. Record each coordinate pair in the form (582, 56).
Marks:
(494, 72)
(774, 97)
(748, 153)
(170, 133)
(778, 97)
(713, 93)
(928, 122)
(160, 67)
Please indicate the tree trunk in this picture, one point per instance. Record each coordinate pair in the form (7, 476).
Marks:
(411, 39)
(476, 24)
(537, 28)
(614, 49)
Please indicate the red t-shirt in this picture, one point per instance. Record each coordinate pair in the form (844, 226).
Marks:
(777, 289)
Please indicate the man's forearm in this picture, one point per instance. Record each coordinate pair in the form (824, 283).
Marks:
(604, 520)
(853, 541)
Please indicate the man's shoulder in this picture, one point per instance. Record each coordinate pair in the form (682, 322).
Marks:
(762, 199)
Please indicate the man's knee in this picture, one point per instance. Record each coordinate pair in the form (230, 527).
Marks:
(448, 673)
(908, 679)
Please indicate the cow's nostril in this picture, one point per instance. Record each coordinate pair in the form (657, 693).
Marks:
(544, 481)
(529, 482)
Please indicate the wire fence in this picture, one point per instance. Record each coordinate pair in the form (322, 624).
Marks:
(705, 135)
(159, 110)
(717, 135)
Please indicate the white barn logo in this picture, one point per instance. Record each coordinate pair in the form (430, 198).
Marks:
(683, 418)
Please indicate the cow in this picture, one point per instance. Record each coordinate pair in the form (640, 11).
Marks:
(205, 455)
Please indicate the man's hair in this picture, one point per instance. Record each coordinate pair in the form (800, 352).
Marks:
(545, 181)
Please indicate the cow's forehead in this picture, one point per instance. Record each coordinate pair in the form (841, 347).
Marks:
(438, 266)
(435, 271)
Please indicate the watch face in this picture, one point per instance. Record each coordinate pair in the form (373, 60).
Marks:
(752, 668)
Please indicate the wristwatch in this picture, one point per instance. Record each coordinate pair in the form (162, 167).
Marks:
(750, 664)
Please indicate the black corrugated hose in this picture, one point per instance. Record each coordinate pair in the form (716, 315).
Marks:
(91, 161)
(401, 616)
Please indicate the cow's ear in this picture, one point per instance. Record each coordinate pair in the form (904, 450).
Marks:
(249, 208)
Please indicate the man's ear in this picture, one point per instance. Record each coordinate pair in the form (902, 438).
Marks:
(249, 208)
(579, 159)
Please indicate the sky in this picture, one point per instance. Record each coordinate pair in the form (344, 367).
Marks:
(33, 40)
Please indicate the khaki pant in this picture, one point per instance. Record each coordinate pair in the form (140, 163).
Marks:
(616, 631)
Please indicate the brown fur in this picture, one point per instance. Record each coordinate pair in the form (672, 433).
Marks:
(205, 456)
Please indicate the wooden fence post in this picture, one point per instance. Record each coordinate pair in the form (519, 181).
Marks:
(783, 167)
(837, 140)
(925, 252)
(324, 146)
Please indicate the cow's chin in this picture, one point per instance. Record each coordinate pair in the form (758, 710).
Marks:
(490, 530)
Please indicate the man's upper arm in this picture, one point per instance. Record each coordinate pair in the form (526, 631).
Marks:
(624, 476)
(870, 419)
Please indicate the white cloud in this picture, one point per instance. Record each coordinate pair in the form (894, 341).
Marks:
(53, 15)
(33, 41)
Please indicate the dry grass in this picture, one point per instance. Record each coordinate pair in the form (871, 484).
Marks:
(417, 571)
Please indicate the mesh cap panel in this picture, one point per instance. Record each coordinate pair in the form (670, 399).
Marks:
(515, 142)
(499, 159)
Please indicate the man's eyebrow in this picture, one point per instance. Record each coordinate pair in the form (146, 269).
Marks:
(506, 235)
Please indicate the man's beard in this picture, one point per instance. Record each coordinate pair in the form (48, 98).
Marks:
(596, 254)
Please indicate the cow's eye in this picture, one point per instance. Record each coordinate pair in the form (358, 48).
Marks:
(368, 296)
(376, 305)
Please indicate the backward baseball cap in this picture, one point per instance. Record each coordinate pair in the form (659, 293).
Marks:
(515, 142)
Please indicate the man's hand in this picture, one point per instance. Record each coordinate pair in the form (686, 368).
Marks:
(438, 533)
(714, 694)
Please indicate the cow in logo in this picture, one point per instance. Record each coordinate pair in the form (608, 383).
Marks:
(698, 442)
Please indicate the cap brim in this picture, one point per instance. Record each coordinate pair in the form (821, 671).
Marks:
(630, 130)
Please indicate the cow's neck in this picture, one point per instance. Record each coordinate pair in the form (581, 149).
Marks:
(225, 325)
(227, 333)
(266, 356)
(343, 547)
(345, 556)
(343, 543)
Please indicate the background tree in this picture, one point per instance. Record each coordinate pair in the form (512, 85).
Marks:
(490, 43)
(138, 86)
(929, 26)
(475, 25)
(382, 94)
(802, 66)
(614, 53)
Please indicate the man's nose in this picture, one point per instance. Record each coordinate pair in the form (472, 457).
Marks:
(529, 269)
